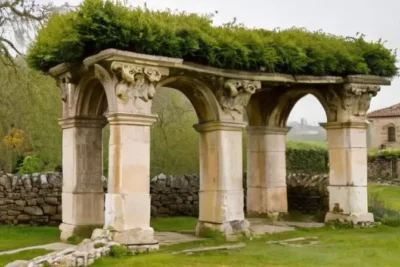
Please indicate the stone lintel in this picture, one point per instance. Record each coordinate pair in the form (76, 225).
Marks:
(131, 57)
(110, 55)
(261, 130)
(345, 125)
(131, 119)
(82, 122)
(368, 79)
(219, 126)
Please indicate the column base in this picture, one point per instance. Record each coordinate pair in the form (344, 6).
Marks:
(355, 218)
(69, 230)
(135, 237)
(137, 240)
(231, 231)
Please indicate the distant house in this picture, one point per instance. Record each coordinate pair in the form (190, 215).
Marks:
(384, 127)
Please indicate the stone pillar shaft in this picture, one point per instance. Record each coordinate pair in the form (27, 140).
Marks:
(266, 170)
(347, 144)
(221, 178)
(82, 192)
(128, 199)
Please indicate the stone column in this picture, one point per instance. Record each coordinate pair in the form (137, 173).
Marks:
(128, 198)
(348, 199)
(266, 170)
(82, 192)
(221, 179)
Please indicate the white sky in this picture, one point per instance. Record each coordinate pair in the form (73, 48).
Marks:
(376, 19)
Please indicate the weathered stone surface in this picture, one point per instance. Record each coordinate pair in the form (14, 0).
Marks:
(49, 210)
(33, 210)
(51, 200)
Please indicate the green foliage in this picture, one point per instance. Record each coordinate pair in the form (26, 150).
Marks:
(174, 142)
(97, 25)
(29, 109)
(120, 252)
(385, 153)
(31, 164)
(307, 157)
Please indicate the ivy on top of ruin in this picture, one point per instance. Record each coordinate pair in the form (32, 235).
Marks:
(96, 25)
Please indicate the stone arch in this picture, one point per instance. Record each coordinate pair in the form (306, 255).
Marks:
(201, 97)
(93, 96)
(288, 100)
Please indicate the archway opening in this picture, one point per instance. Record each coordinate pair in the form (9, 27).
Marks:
(174, 156)
(307, 160)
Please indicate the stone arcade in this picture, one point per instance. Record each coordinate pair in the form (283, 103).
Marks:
(117, 87)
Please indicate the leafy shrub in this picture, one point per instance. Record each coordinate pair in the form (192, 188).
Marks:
(120, 252)
(306, 157)
(97, 25)
(31, 164)
(385, 153)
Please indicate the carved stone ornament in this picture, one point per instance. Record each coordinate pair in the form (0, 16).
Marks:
(63, 83)
(136, 82)
(357, 97)
(236, 95)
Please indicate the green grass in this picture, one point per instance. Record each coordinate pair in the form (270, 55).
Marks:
(174, 224)
(362, 247)
(23, 255)
(389, 194)
(13, 237)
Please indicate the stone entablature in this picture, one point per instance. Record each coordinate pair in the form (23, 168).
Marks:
(120, 86)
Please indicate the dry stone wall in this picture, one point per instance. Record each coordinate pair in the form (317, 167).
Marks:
(36, 199)
(30, 199)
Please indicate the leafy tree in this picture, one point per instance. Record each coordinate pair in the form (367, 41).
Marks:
(18, 21)
(29, 110)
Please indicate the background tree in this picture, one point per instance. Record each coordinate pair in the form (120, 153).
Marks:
(19, 20)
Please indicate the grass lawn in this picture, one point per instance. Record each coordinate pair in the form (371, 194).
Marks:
(173, 224)
(390, 195)
(338, 247)
(23, 255)
(13, 237)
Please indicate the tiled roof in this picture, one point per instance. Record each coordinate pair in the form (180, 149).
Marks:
(392, 111)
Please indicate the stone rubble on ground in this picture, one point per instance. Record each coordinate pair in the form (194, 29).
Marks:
(84, 254)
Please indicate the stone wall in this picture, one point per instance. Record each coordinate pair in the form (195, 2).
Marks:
(36, 199)
(383, 169)
(308, 193)
(178, 195)
(30, 199)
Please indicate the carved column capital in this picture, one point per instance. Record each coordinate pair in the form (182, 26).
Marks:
(235, 95)
(350, 102)
(135, 85)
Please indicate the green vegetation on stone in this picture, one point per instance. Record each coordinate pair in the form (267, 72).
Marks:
(97, 25)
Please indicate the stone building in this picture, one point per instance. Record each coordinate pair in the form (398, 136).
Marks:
(384, 127)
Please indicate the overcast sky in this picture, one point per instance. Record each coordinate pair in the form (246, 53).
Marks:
(376, 19)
